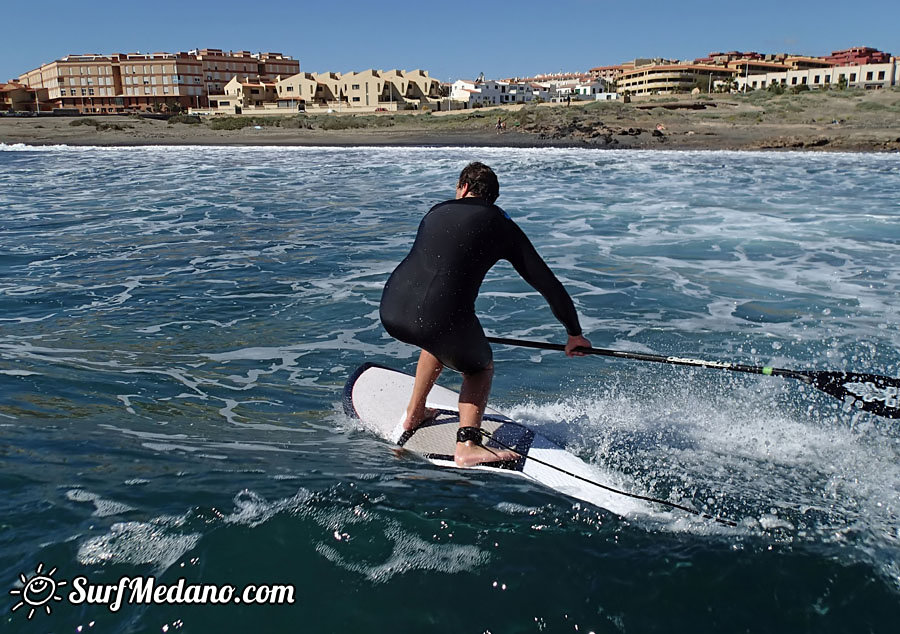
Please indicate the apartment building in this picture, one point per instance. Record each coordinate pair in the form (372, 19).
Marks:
(85, 82)
(296, 91)
(606, 73)
(106, 84)
(17, 97)
(149, 81)
(244, 93)
(219, 67)
(328, 90)
(361, 89)
(666, 78)
(417, 86)
(867, 76)
(858, 56)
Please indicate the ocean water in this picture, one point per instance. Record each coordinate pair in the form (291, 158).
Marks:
(176, 326)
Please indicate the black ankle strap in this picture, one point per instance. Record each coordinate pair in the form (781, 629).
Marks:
(465, 434)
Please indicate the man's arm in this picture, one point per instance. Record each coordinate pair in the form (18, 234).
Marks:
(529, 264)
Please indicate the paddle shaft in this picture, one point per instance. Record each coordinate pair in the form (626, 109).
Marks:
(641, 356)
(870, 392)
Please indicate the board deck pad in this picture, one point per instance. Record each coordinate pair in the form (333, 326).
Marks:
(378, 395)
(432, 440)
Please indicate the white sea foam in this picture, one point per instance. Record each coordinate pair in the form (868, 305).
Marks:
(159, 542)
(103, 508)
(251, 286)
(339, 524)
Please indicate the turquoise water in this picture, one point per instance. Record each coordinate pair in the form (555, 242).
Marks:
(176, 326)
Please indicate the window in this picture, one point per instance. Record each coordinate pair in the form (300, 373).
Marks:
(91, 92)
(804, 81)
(827, 79)
(289, 88)
(62, 92)
(354, 87)
(881, 74)
(869, 76)
(816, 79)
(793, 81)
(852, 76)
(356, 99)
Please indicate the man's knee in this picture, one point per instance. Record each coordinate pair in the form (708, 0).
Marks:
(487, 371)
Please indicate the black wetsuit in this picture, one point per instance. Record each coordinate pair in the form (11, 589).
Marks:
(429, 300)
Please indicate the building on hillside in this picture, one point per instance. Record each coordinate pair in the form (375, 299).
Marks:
(662, 79)
(722, 59)
(297, 91)
(608, 73)
(328, 90)
(156, 81)
(803, 62)
(402, 89)
(581, 89)
(219, 67)
(108, 84)
(465, 93)
(867, 76)
(858, 56)
(243, 95)
(420, 87)
(490, 92)
(17, 97)
(361, 89)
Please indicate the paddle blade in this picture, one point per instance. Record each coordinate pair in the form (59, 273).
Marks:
(873, 393)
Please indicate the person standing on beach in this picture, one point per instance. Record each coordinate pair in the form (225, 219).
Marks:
(429, 301)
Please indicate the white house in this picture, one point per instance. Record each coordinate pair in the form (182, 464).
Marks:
(495, 93)
(576, 89)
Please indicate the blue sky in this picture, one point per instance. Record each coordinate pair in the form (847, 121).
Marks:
(452, 39)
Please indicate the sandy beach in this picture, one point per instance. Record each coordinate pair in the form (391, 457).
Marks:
(821, 121)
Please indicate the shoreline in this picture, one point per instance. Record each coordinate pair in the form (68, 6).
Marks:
(830, 121)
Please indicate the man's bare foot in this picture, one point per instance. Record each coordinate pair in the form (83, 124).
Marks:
(469, 454)
(414, 419)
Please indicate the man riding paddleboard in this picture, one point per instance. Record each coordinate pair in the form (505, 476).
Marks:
(429, 301)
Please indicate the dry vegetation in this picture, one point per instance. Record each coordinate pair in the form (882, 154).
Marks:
(825, 120)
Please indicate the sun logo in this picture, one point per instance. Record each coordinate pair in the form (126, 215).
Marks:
(37, 591)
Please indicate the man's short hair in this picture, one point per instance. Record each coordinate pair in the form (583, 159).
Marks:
(482, 181)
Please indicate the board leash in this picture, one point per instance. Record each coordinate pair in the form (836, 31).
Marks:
(636, 496)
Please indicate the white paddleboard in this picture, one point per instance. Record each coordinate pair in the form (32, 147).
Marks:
(378, 396)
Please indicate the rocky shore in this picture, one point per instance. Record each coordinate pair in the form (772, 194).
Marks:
(830, 121)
